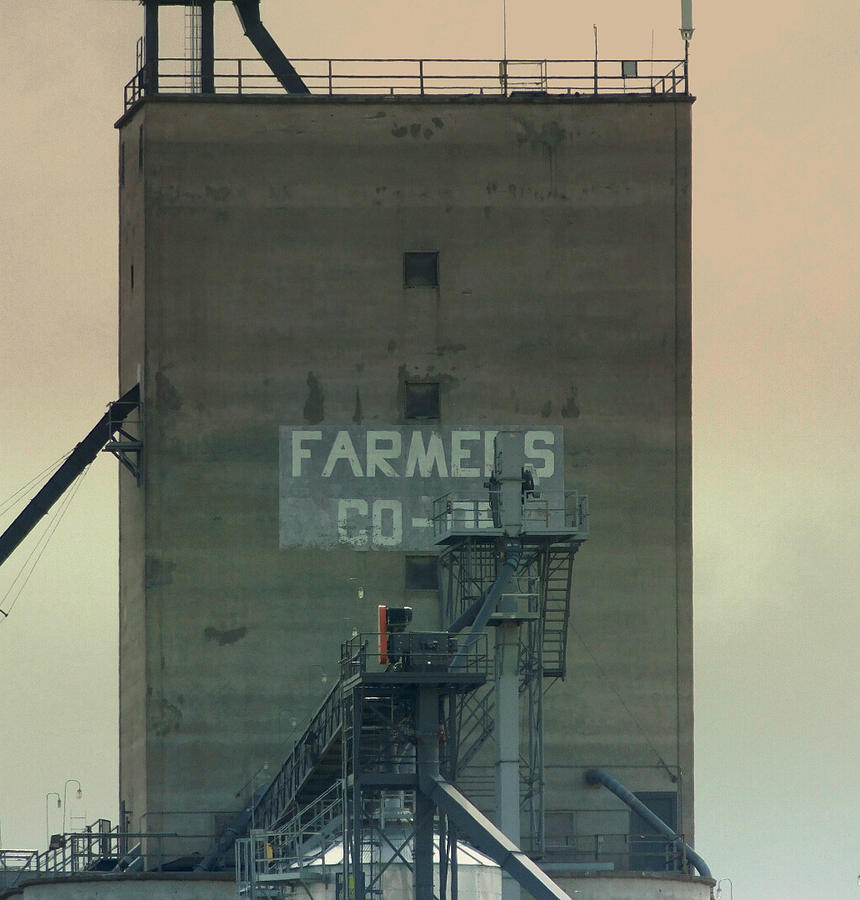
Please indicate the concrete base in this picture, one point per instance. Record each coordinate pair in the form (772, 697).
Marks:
(142, 886)
(482, 884)
(633, 886)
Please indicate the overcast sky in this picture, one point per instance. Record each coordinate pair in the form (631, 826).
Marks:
(776, 431)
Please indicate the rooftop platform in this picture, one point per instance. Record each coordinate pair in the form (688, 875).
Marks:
(580, 78)
(546, 515)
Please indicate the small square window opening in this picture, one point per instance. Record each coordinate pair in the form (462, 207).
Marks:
(421, 269)
(421, 573)
(422, 400)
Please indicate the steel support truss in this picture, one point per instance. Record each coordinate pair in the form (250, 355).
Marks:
(539, 599)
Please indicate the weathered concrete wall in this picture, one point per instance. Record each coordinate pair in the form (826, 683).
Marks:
(474, 885)
(133, 643)
(634, 886)
(273, 296)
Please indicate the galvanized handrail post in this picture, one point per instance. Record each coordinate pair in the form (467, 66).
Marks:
(239, 76)
(421, 75)
(330, 85)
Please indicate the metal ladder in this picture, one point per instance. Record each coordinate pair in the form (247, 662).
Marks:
(557, 575)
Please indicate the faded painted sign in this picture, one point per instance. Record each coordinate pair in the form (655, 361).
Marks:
(373, 488)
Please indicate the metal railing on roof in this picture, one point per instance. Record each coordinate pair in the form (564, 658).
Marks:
(425, 77)
(619, 852)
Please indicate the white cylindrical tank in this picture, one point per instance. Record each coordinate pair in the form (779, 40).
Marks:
(478, 877)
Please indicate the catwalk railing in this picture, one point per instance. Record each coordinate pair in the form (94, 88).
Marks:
(625, 852)
(298, 851)
(100, 849)
(424, 77)
(472, 513)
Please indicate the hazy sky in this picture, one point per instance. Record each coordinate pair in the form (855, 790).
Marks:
(776, 386)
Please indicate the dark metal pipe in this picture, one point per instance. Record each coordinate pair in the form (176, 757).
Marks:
(224, 843)
(466, 618)
(513, 550)
(249, 15)
(598, 776)
(150, 47)
(207, 46)
(83, 454)
(489, 839)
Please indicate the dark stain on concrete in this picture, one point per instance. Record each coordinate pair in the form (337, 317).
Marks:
(450, 348)
(314, 406)
(225, 636)
(438, 122)
(428, 133)
(217, 194)
(356, 416)
(400, 131)
(378, 115)
(166, 395)
(546, 409)
(570, 410)
(252, 443)
(548, 138)
(415, 129)
(447, 382)
(165, 716)
(157, 572)
(391, 346)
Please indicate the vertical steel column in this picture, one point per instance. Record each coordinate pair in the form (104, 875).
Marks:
(453, 742)
(508, 742)
(150, 42)
(207, 46)
(427, 759)
(357, 804)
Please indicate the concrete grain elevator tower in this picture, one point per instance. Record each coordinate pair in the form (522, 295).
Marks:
(333, 299)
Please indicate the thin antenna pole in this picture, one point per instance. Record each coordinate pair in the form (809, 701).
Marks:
(505, 30)
(503, 66)
(652, 59)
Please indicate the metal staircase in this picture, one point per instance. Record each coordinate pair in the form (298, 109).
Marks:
(269, 863)
(556, 583)
(312, 765)
(316, 758)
